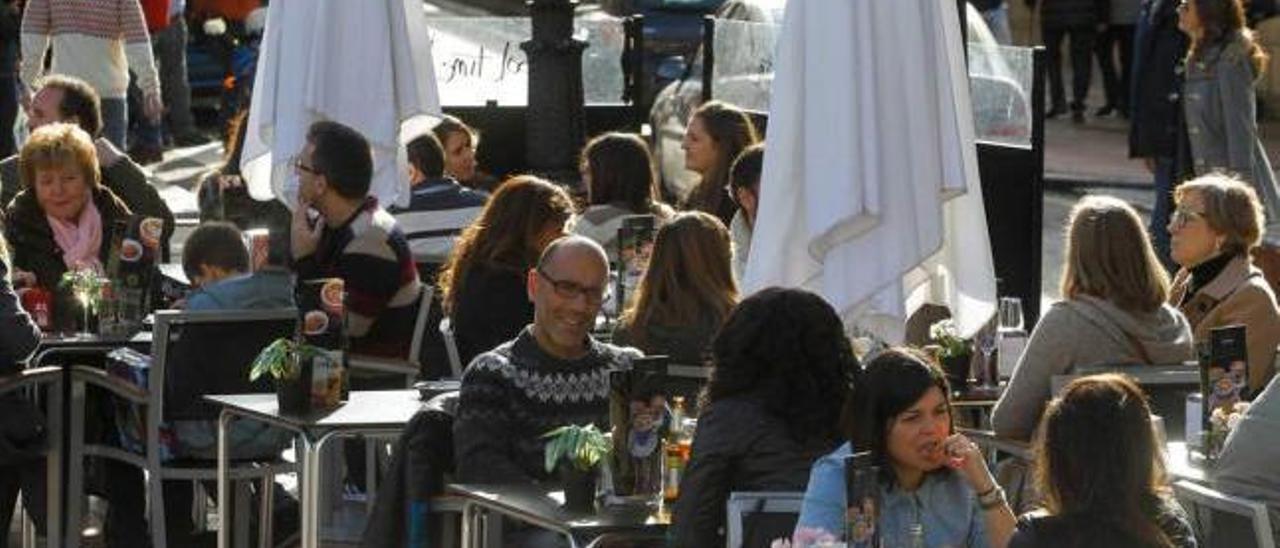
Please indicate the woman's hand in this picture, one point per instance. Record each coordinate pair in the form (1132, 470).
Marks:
(964, 456)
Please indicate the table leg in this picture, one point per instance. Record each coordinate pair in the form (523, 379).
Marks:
(55, 468)
(75, 466)
(224, 535)
(468, 526)
(308, 497)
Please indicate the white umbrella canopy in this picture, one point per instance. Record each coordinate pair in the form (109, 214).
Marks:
(363, 63)
(870, 194)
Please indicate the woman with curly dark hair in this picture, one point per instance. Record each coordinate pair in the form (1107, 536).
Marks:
(782, 371)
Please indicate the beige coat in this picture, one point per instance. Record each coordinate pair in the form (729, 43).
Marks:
(1238, 295)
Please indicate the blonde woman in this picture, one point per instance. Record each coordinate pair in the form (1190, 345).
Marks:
(1215, 225)
(1113, 311)
(686, 293)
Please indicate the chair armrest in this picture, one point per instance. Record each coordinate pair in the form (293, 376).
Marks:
(382, 365)
(988, 439)
(117, 386)
(30, 377)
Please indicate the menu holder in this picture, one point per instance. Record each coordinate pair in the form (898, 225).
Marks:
(132, 269)
(257, 241)
(862, 496)
(1224, 375)
(635, 247)
(321, 309)
(640, 420)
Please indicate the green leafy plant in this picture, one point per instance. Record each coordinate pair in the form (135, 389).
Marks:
(947, 336)
(278, 359)
(583, 446)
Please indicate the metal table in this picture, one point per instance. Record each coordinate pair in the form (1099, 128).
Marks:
(537, 506)
(375, 413)
(1179, 464)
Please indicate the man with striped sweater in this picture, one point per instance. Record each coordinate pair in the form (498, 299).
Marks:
(353, 239)
(98, 41)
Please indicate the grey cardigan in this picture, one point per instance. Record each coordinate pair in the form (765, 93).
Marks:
(1222, 125)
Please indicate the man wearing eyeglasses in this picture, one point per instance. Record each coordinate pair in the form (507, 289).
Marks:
(354, 239)
(552, 374)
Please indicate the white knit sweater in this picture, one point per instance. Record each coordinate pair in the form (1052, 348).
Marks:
(98, 41)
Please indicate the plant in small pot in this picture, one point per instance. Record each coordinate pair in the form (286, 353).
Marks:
(289, 363)
(954, 352)
(574, 453)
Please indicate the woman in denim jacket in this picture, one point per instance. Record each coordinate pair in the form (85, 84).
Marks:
(1219, 99)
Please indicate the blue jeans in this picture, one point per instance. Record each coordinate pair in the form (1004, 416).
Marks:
(115, 121)
(1162, 209)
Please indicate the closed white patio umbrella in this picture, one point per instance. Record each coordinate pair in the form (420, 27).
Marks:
(870, 194)
(363, 63)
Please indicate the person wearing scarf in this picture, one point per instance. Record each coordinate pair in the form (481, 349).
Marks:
(1217, 223)
(64, 219)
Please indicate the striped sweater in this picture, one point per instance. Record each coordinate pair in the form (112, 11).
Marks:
(369, 253)
(98, 41)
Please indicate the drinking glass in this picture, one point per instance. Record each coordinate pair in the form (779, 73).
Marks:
(1011, 314)
(985, 341)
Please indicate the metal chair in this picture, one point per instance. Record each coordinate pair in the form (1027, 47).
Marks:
(1220, 519)
(182, 346)
(28, 380)
(410, 366)
(773, 515)
(451, 346)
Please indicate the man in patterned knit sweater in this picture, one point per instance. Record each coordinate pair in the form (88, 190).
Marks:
(355, 240)
(552, 374)
(98, 41)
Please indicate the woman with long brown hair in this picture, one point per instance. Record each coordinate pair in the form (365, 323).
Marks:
(717, 133)
(483, 283)
(685, 294)
(617, 170)
(1113, 311)
(1223, 63)
(1100, 473)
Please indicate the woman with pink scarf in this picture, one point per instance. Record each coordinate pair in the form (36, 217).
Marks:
(64, 219)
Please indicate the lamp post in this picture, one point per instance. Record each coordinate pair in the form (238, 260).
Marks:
(555, 126)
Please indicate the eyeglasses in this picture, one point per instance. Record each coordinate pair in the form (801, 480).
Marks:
(297, 164)
(1182, 6)
(1183, 217)
(569, 290)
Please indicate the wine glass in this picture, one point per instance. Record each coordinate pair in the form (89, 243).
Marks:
(985, 341)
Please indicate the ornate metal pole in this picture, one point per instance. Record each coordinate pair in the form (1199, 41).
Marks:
(555, 120)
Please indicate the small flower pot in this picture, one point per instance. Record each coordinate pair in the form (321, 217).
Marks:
(956, 369)
(293, 394)
(579, 488)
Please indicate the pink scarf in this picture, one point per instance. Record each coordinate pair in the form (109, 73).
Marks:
(80, 242)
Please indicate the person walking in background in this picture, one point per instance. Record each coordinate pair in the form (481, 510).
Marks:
(996, 14)
(1220, 104)
(1078, 19)
(10, 23)
(1155, 110)
(98, 41)
(168, 28)
(1118, 35)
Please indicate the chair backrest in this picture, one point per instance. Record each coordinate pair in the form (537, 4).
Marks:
(1220, 519)
(451, 346)
(209, 352)
(420, 324)
(1166, 387)
(772, 515)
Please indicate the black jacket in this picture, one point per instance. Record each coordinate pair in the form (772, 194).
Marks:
(1155, 103)
(35, 251)
(737, 447)
(1072, 13)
